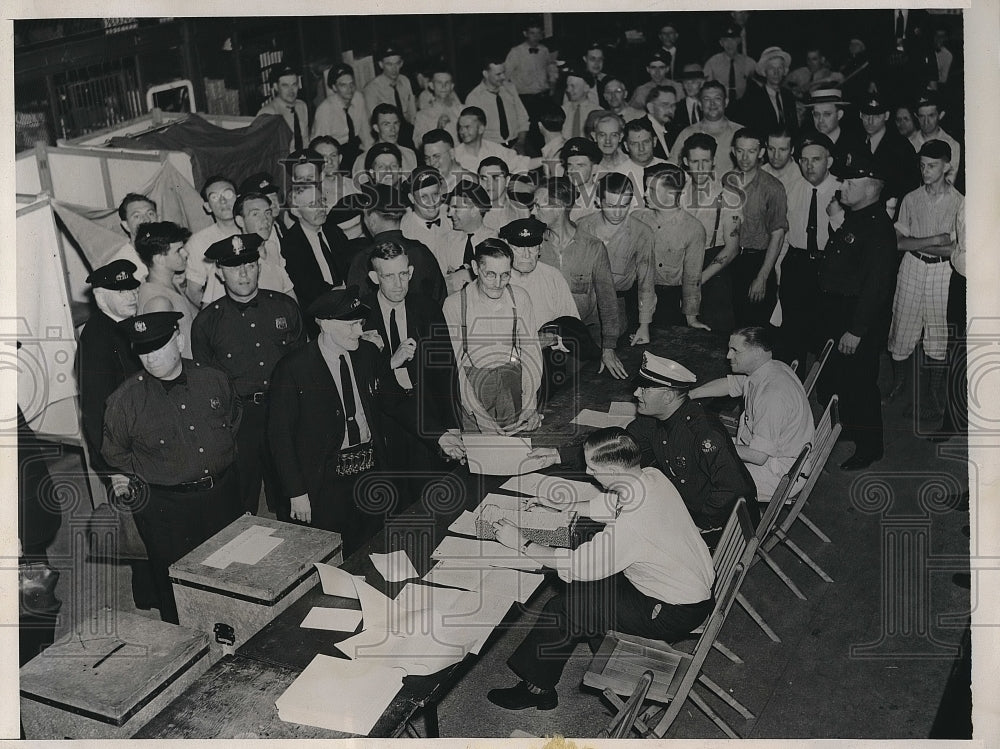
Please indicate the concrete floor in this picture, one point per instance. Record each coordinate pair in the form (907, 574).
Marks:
(866, 656)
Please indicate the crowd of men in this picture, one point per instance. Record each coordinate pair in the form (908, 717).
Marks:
(419, 267)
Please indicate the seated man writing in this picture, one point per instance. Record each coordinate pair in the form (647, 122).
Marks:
(494, 335)
(777, 421)
(647, 573)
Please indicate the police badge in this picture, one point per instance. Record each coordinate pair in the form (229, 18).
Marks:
(707, 446)
(280, 323)
(215, 403)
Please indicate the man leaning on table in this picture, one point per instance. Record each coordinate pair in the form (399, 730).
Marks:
(647, 573)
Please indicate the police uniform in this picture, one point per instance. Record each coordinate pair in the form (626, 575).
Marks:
(692, 449)
(178, 439)
(857, 283)
(245, 340)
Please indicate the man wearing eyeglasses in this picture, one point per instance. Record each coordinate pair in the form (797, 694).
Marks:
(219, 196)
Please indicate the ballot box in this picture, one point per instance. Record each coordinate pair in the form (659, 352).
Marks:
(109, 677)
(245, 575)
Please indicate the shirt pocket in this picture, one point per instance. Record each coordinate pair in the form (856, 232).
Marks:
(579, 283)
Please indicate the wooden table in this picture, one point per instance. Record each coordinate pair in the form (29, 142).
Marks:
(235, 698)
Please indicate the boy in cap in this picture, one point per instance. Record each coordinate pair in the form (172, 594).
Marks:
(578, 103)
(648, 573)
(690, 446)
(244, 333)
(730, 67)
(777, 420)
(172, 429)
(929, 115)
(390, 86)
(893, 153)
(925, 231)
(580, 157)
(343, 114)
(658, 70)
(285, 103)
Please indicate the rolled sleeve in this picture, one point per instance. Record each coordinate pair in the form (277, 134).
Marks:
(736, 385)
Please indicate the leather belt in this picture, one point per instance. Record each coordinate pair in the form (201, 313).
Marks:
(199, 485)
(811, 255)
(929, 259)
(752, 250)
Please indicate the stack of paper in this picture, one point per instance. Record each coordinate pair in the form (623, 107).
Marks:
(590, 418)
(340, 695)
(249, 547)
(470, 552)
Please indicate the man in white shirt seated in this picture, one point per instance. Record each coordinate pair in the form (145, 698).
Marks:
(777, 421)
(386, 123)
(473, 148)
(426, 219)
(648, 573)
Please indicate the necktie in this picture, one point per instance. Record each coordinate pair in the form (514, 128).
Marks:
(470, 252)
(696, 116)
(328, 254)
(296, 128)
(781, 112)
(732, 80)
(669, 59)
(394, 339)
(402, 374)
(900, 24)
(502, 116)
(350, 125)
(350, 407)
(399, 102)
(811, 243)
(533, 50)
(435, 222)
(576, 121)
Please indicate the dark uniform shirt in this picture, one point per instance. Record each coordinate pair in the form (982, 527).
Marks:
(860, 262)
(694, 451)
(105, 359)
(246, 340)
(172, 434)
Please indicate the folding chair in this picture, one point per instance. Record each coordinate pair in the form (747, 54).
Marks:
(781, 495)
(817, 367)
(826, 437)
(622, 658)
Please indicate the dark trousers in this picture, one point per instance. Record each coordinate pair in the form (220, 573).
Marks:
(353, 506)
(668, 307)
(743, 271)
(799, 308)
(173, 523)
(628, 312)
(587, 610)
(717, 297)
(854, 378)
(559, 368)
(956, 408)
(253, 460)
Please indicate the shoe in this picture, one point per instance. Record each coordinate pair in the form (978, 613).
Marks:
(520, 697)
(857, 461)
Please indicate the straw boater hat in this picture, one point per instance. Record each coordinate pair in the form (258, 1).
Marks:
(769, 54)
(826, 96)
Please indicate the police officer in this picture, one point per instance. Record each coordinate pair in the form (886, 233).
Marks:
(173, 429)
(104, 360)
(244, 334)
(857, 280)
(690, 446)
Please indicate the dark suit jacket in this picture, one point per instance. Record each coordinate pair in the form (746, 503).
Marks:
(681, 117)
(104, 360)
(658, 150)
(302, 268)
(755, 111)
(306, 416)
(432, 369)
(426, 279)
(899, 163)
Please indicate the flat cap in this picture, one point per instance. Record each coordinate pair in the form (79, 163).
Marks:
(814, 139)
(659, 372)
(473, 192)
(874, 105)
(524, 232)
(151, 331)
(280, 70)
(338, 304)
(116, 276)
(581, 147)
(238, 249)
(421, 178)
(935, 149)
(259, 182)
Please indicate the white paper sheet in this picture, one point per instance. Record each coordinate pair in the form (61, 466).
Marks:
(394, 567)
(465, 524)
(335, 620)
(249, 547)
(590, 418)
(468, 552)
(499, 456)
(340, 695)
(622, 408)
(337, 582)
(555, 489)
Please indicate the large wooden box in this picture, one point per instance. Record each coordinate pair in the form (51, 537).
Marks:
(236, 593)
(109, 677)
